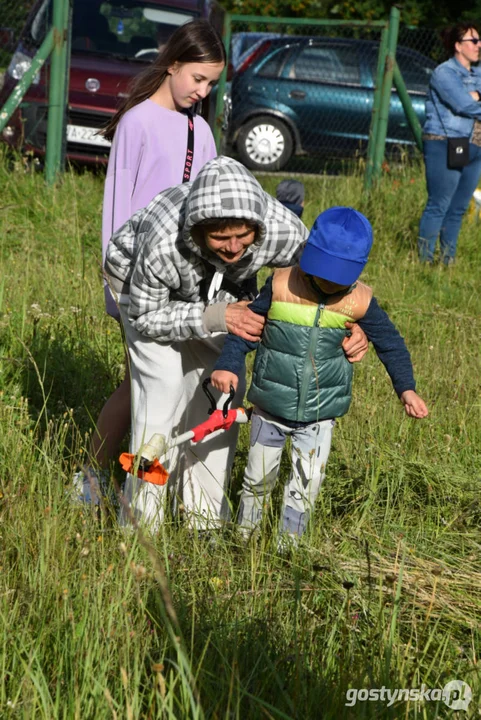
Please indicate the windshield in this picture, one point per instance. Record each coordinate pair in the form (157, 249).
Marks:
(128, 29)
(41, 23)
(125, 28)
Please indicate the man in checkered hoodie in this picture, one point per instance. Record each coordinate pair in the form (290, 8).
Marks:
(184, 271)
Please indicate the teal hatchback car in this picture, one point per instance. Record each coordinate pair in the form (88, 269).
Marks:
(312, 95)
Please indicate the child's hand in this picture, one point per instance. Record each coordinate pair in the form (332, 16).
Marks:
(222, 380)
(356, 344)
(414, 405)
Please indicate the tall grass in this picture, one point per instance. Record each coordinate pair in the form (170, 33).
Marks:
(385, 589)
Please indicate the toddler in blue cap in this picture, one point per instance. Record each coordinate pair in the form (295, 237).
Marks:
(301, 380)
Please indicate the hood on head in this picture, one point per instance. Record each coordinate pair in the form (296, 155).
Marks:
(224, 188)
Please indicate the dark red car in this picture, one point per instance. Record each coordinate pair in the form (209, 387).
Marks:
(112, 40)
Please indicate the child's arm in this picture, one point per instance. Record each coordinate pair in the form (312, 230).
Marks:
(232, 358)
(393, 353)
(414, 405)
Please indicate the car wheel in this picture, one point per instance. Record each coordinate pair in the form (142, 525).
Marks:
(264, 143)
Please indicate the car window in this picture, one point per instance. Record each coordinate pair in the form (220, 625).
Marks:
(336, 64)
(131, 29)
(128, 28)
(415, 71)
(243, 42)
(41, 22)
(272, 66)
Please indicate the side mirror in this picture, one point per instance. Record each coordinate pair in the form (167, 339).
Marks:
(7, 39)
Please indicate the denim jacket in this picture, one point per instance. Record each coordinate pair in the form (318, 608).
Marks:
(450, 109)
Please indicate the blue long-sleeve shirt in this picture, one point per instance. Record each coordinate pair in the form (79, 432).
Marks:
(386, 339)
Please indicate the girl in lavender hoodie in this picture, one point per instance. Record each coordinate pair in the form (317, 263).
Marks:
(148, 155)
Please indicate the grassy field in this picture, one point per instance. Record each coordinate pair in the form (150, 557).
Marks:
(385, 590)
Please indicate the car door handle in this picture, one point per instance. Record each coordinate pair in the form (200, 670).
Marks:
(297, 94)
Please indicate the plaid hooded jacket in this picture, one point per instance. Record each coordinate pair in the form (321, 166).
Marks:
(155, 265)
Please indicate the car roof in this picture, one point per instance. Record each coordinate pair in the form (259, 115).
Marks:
(288, 40)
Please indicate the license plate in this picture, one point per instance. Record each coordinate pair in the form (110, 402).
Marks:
(86, 135)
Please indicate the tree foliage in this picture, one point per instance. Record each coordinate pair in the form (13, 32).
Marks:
(422, 13)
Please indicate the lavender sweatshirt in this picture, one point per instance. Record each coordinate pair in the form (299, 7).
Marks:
(147, 157)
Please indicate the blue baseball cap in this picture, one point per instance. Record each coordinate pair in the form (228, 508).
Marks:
(338, 246)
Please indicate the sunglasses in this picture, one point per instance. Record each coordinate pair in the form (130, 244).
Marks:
(475, 41)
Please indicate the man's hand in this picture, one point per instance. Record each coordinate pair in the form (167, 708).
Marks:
(357, 345)
(243, 322)
(414, 405)
(222, 380)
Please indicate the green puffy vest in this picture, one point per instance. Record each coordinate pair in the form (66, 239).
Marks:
(301, 372)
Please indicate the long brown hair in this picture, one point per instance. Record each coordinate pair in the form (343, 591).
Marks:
(195, 42)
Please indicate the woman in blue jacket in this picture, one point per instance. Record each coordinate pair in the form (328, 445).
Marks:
(453, 109)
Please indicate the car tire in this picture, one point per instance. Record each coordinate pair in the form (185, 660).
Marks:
(265, 143)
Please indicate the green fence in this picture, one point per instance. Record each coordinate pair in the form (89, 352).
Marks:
(307, 95)
(48, 38)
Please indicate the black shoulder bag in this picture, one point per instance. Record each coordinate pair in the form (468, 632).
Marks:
(458, 148)
(458, 152)
(189, 157)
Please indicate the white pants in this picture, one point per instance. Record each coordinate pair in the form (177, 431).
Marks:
(311, 446)
(167, 398)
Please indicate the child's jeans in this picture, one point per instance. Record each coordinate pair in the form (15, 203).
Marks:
(311, 445)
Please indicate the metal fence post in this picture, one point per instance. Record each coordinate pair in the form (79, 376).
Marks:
(373, 130)
(58, 90)
(219, 105)
(411, 116)
(386, 91)
(24, 83)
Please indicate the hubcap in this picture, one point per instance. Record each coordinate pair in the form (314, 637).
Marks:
(265, 144)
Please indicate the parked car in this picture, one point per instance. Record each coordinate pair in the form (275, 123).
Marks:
(298, 95)
(112, 40)
(241, 48)
(242, 44)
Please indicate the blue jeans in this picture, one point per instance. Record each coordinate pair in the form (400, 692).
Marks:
(449, 193)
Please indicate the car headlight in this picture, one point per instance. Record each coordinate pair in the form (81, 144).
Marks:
(8, 132)
(19, 65)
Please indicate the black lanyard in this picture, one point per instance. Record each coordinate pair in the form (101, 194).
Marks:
(189, 157)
